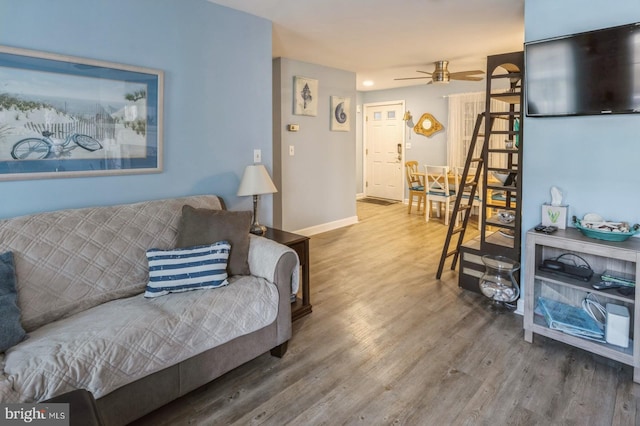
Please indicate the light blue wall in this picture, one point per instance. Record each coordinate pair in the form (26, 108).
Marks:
(217, 65)
(318, 186)
(593, 159)
(430, 98)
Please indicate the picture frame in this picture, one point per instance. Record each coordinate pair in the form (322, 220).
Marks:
(305, 96)
(340, 114)
(63, 116)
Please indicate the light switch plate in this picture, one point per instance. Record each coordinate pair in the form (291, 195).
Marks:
(291, 150)
(257, 155)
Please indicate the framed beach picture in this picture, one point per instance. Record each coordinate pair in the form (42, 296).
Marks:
(305, 96)
(340, 114)
(62, 116)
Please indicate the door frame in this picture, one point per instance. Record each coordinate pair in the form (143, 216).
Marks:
(365, 143)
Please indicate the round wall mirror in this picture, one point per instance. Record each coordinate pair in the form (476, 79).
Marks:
(427, 125)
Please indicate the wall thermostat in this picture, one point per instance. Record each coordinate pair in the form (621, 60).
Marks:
(293, 127)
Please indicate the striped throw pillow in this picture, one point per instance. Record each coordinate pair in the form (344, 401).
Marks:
(184, 269)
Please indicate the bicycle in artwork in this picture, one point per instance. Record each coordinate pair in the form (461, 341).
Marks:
(48, 147)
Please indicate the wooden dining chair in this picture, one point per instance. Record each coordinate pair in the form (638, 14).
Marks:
(439, 191)
(415, 184)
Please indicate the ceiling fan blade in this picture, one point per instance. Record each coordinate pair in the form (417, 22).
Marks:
(467, 78)
(424, 72)
(410, 78)
(465, 73)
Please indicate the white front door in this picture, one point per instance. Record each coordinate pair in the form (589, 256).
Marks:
(384, 150)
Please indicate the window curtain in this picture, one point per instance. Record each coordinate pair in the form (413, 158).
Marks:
(463, 112)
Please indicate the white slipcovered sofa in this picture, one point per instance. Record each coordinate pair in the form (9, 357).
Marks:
(80, 279)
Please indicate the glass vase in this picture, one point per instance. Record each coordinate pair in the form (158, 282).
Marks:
(498, 282)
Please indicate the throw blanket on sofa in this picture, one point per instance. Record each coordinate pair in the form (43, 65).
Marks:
(65, 354)
(88, 256)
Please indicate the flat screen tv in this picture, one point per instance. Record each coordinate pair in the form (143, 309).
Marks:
(596, 72)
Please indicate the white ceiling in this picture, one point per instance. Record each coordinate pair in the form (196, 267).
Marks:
(380, 40)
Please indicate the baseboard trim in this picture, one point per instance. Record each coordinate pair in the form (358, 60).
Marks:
(307, 232)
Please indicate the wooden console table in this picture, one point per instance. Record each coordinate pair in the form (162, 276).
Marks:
(300, 244)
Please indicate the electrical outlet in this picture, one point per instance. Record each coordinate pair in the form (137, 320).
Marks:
(257, 155)
(292, 151)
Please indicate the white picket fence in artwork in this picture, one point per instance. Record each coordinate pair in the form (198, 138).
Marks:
(100, 127)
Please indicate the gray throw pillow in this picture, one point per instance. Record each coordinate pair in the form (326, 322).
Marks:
(11, 331)
(203, 226)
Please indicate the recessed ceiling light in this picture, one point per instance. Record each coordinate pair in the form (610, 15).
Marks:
(367, 83)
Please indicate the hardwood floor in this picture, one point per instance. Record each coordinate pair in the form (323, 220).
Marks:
(387, 343)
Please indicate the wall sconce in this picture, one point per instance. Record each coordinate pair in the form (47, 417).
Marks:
(408, 118)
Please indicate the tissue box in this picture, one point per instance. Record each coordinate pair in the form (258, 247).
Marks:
(554, 215)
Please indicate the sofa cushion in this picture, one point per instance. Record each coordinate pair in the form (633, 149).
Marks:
(200, 226)
(11, 331)
(185, 269)
(108, 346)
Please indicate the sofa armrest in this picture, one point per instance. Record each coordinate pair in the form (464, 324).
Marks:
(276, 263)
(264, 255)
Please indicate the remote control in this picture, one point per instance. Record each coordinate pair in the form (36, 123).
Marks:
(606, 285)
(546, 229)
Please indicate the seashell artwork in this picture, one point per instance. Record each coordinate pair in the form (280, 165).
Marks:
(305, 93)
(341, 116)
(340, 111)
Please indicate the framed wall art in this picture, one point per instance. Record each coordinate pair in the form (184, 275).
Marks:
(62, 116)
(340, 114)
(305, 96)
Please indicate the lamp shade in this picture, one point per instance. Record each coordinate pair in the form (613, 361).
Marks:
(256, 181)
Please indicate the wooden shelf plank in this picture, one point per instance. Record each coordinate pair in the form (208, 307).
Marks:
(616, 353)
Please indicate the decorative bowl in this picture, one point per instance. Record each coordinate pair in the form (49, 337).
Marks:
(506, 217)
(502, 177)
(603, 234)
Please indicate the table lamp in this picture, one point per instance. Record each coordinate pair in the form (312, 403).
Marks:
(256, 181)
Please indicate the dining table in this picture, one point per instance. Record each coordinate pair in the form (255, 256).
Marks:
(493, 194)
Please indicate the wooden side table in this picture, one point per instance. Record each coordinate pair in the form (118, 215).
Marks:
(300, 244)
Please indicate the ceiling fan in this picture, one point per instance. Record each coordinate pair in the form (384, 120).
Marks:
(442, 75)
